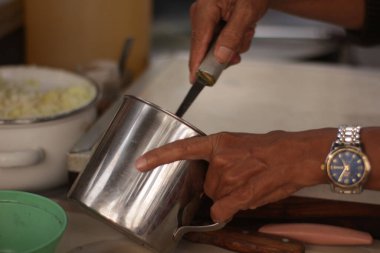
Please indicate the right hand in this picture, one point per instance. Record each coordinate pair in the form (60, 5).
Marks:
(249, 170)
(241, 17)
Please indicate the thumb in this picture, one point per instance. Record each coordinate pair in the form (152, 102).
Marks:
(225, 208)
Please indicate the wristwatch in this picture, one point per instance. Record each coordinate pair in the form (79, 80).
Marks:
(346, 165)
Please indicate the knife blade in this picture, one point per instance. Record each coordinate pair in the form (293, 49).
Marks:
(207, 75)
(193, 93)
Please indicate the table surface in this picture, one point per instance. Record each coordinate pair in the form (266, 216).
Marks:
(85, 234)
(260, 96)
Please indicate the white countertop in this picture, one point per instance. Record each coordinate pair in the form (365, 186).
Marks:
(260, 96)
(85, 234)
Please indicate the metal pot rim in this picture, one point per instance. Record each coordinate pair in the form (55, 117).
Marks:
(59, 115)
(168, 113)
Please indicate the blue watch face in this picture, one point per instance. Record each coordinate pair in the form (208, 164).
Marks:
(347, 167)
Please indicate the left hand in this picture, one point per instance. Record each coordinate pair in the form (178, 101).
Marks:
(249, 170)
(235, 38)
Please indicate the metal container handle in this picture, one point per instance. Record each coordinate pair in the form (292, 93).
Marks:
(177, 235)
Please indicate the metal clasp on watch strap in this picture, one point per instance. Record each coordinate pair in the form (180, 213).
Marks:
(348, 136)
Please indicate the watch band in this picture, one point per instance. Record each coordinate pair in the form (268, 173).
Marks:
(348, 136)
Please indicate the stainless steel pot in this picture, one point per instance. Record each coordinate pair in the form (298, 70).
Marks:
(155, 207)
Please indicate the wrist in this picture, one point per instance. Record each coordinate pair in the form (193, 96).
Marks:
(312, 147)
(327, 137)
(370, 137)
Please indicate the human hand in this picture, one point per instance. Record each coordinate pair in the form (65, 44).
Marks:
(235, 38)
(249, 170)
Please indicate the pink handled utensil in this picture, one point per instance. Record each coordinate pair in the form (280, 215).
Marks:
(318, 234)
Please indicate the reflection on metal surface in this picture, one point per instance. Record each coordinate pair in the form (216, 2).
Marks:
(185, 229)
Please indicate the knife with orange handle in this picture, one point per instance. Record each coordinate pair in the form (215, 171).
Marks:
(319, 234)
(244, 241)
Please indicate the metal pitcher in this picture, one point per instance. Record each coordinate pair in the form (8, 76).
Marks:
(154, 207)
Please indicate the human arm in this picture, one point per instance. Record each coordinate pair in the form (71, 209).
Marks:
(250, 170)
(241, 17)
(339, 12)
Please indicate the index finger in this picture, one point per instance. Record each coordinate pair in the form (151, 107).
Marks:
(195, 148)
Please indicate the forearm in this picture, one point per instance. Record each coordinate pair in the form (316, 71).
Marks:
(348, 14)
(370, 138)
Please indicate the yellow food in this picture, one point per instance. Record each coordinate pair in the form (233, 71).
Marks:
(29, 100)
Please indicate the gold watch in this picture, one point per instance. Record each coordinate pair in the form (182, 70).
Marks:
(347, 166)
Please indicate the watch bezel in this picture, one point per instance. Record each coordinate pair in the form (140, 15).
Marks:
(367, 167)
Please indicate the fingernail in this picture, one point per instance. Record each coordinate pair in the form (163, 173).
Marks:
(140, 163)
(216, 221)
(192, 78)
(223, 54)
(235, 60)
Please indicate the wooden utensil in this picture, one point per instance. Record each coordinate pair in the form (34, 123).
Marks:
(244, 241)
(360, 216)
(319, 234)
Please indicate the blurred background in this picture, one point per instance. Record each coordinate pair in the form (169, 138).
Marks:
(73, 34)
(114, 42)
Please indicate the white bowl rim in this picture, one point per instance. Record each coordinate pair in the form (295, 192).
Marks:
(54, 116)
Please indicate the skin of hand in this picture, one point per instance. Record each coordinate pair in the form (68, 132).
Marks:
(235, 38)
(250, 170)
(241, 17)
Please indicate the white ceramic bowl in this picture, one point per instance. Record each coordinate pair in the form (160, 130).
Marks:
(33, 149)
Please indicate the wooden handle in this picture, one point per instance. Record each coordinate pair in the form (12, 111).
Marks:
(360, 216)
(246, 242)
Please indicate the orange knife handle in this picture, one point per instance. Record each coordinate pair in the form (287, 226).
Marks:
(319, 234)
(246, 242)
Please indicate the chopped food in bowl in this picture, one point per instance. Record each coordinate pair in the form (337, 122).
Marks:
(43, 112)
(24, 95)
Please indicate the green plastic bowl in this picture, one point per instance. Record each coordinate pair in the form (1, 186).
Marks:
(29, 223)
